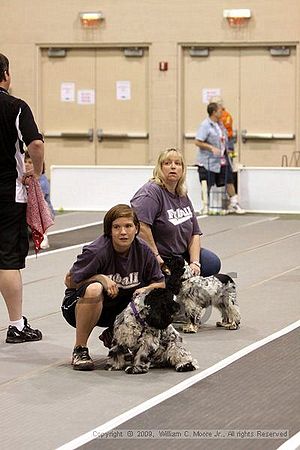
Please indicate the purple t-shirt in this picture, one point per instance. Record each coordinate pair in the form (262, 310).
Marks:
(139, 268)
(171, 218)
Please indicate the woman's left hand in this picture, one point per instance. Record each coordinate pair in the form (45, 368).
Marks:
(196, 268)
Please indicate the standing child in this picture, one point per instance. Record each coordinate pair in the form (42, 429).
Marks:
(45, 186)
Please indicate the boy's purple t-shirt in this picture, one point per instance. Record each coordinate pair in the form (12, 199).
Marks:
(139, 268)
(171, 218)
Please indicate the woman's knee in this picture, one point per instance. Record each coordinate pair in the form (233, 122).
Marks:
(210, 263)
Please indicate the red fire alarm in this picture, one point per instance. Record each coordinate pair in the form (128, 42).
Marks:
(163, 66)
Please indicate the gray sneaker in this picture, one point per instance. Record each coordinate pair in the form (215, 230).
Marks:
(235, 209)
(81, 359)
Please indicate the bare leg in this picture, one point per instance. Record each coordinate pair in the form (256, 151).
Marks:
(12, 290)
(230, 190)
(88, 311)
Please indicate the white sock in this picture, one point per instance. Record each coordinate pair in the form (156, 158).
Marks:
(19, 324)
(234, 199)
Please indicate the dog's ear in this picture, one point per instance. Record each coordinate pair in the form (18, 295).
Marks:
(153, 295)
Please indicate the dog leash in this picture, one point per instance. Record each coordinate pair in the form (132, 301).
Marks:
(136, 314)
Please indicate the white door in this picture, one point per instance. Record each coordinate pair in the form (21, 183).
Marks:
(94, 106)
(122, 107)
(267, 107)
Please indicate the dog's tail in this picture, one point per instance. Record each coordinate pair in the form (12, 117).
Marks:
(225, 279)
(173, 281)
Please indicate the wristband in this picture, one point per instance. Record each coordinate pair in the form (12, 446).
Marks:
(196, 263)
(156, 255)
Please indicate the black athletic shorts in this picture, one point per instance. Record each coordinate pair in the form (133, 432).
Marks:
(14, 243)
(111, 306)
(225, 176)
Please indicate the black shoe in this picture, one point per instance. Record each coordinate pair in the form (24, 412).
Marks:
(81, 359)
(14, 336)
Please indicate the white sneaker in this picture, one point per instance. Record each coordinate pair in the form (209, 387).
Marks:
(235, 209)
(45, 243)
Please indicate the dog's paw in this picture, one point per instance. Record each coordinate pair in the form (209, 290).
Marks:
(109, 367)
(228, 325)
(232, 326)
(189, 328)
(187, 367)
(113, 366)
(133, 370)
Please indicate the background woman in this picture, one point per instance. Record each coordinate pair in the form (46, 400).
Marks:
(167, 217)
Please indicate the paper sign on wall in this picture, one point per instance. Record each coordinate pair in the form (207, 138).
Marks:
(67, 92)
(209, 93)
(123, 90)
(86, 97)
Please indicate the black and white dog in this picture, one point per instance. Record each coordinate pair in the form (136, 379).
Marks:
(199, 292)
(143, 336)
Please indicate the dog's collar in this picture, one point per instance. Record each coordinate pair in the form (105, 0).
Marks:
(136, 314)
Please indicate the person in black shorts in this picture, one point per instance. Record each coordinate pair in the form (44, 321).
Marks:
(105, 276)
(17, 127)
(213, 162)
(222, 178)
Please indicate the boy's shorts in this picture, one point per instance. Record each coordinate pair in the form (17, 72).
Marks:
(111, 306)
(14, 243)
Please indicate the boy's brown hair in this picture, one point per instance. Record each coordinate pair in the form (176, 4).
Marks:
(115, 213)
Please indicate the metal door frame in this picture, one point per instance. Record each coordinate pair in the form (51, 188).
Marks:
(38, 60)
(238, 46)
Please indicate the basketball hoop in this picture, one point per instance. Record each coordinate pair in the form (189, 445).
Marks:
(237, 17)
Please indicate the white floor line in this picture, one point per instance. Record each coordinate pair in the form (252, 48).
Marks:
(87, 225)
(77, 227)
(268, 219)
(58, 250)
(291, 444)
(273, 277)
(264, 244)
(111, 424)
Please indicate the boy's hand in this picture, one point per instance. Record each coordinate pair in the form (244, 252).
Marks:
(109, 286)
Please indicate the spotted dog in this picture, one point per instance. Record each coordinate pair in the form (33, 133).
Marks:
(143, 336)
(199, 292)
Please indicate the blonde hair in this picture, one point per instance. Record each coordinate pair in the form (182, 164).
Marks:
(158, 176)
